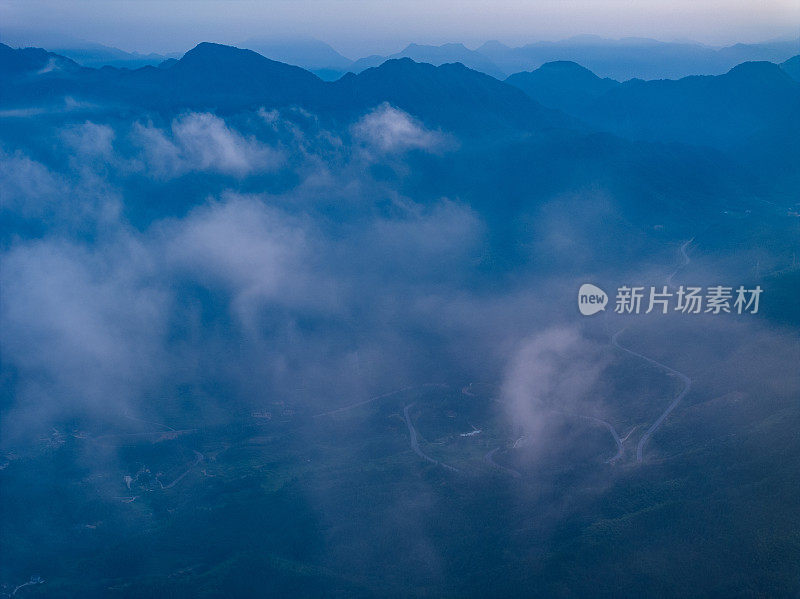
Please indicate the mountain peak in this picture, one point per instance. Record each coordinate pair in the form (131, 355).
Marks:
(493, 45)
(213, 51)
(562, 84)
(449, 46)
(22, 60)
(451, 96)
(208, 60)
(762, 75)
(566, 67)
(401, 63)
(308, 53)
(755, 68)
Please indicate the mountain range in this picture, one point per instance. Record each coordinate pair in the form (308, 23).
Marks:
(719, 111)
(619, 59)
(213, 76)
(703, 109)
(641, 58)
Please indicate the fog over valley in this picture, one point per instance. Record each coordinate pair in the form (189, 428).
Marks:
(281, 330)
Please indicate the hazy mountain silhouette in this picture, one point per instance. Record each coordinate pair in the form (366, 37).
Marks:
(86, 53)
(562, 84)
(620, 59)
(752, 112)
(311, 54)
(450, 95)
(27, 61)
(772, 51)
(710, 110)
(167, 63)
(635, 57)
(98, 55)
(706, 110)
(228, 76)
(751, 99)
(436, 55)
(213, 76)
(792, 67)
(208, 76)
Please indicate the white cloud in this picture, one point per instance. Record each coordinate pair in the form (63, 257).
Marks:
(390, 130)
(551, 373)
(90, 140)
(82, 201)
(27, 187)
(256, 253)
(202, 142)
(83, 328)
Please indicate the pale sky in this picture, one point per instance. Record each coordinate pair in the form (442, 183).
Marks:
(360, 27)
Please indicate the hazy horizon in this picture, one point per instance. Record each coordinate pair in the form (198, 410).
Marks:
(356, 28)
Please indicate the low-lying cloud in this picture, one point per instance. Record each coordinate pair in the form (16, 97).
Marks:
(552, 374)
(202, 142)
(387, 130)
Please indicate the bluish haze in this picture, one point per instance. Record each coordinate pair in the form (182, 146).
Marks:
(360, 27)
(269, 333)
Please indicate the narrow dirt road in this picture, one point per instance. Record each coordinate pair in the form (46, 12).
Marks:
(415, 443)
(687, 384)
(489, 459)
(198, 458)
(614, 435)
(683, 264)
(375, 398)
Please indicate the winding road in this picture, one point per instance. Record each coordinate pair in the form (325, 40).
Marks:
(489, 459)
(614, 434)
(32, 581)
(158, 424)
(415, 443)
(198, 459)
(687, 382)
(685, 262)
(376, 398)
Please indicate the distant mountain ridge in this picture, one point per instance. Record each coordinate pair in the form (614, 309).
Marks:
(85, 53)
(707, 109)
(754, 98)
(641, 58)
(310, 54)
(564, 85)
(435, 55)
(450, 95)
(224, 78)
(753, 111)
(27, 61)
(99, 55)
(621, 59)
